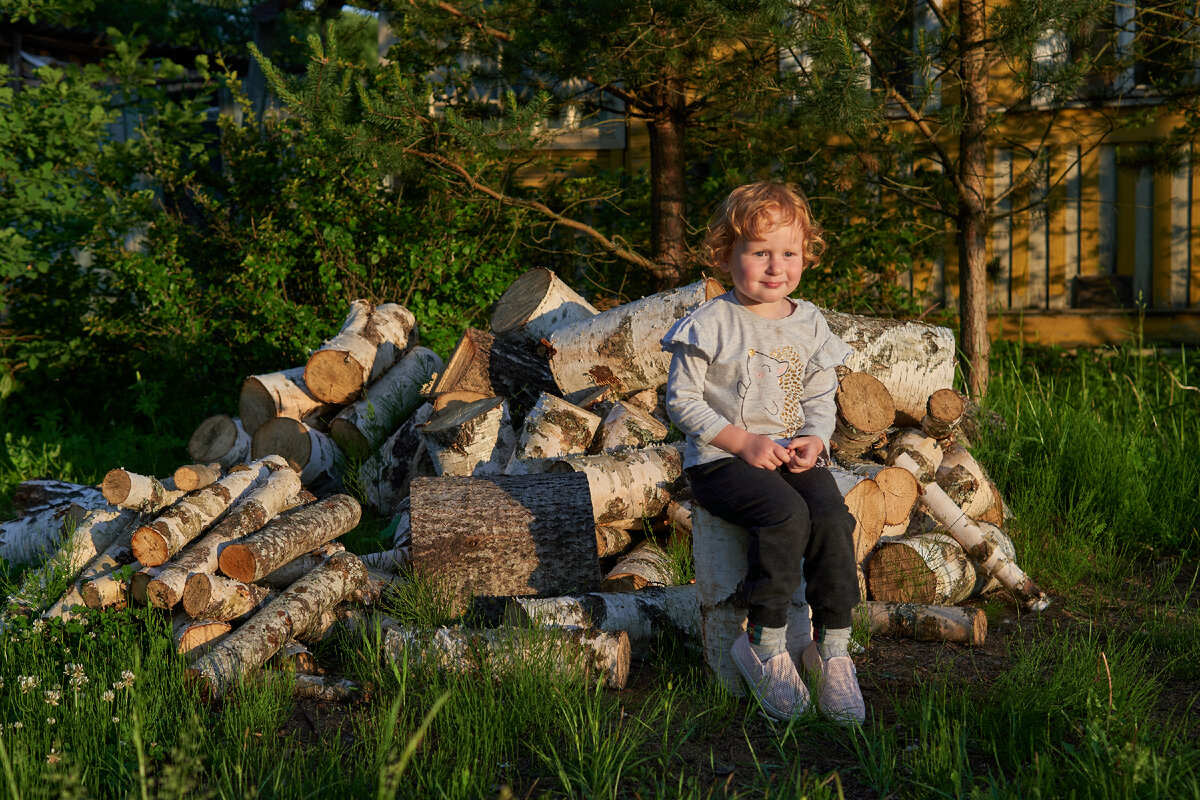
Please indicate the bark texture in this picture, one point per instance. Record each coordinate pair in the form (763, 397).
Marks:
(362, 426)
(553, 428)
(254, 556)
(536, 304)
(628, 425)
(645, 565)
(385, 476)
(475, 438)
(629, 485)
(370, 341)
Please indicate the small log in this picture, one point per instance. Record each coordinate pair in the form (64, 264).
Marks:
(553, 428)
(503, 535)
(925, 623)
(110, 590)
(259, 638)
(501, 651)
(494, 367)
(620, 347)
(370, 341)
(362, 426)
(139, 492)
(630, 485)
(474, 438)
(285, 575)
(628, 425)
(645, 565)
(276, 494)
(314, 453)
(196, 637)
(926, 453)
(156, 542)
(393, 560)
(864, 413)
(213, 597)
(296, 659)
(865, 502)
(975, 496)
(328, 690)
(278, 394)
(139, 582)
(647, 400)
(943, 415)
(39, 494)
(386, 475)
(222, 439)
(191, 477)
(31, 539)
(928, 568)
(985, 555)
(679, 516)
(536, 304)
(597, 399)
(257, 554)
(612, 541)
(1001, 541)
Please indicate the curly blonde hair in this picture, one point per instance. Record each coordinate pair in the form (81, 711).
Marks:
(746, 214)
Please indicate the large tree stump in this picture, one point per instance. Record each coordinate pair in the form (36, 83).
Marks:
(222, 439)
(312, 451)
(249, 647)
(553, 428)
(864, 413)
(505, 535)
(279, 394)
(629, 486)
(645, 565)
(474, 438)
(925, 623)
(362, 426)
(370, 341)
(912, 359)
(386, 475)
(254, 556)
(927, 568)
(628, 425)
(276, 494)
(494, 367)
(620, 347)
(536, 304)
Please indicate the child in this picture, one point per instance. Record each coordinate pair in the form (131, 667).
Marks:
(752, 384)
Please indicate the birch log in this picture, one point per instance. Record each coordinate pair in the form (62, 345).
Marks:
(313, 452)
(620, 347)
(110, 590)
(943, 415)
(924, 452)
(494, 367)
(191, 477)
(473, 438)
(327, 689)
(362, 426)
(254, 556)
(864, 413)
(628, 425)
(156, 542)
(387, 474)
(31, 495)
(370, 341)
(195, 637)
(611, 541)
(288, 573)
(925, 623)
(499, 536)
(645, 565)
(928, 568)
(222, 439)
(536, 304)
(900, 493)
(553, 428)
(501, 651)
(31, 539)
(273, 497)
(208, 596)
(865, 502)
(138, 492)
(985, 555)
(259, 638)
(1001, 541)
(278, 394)
(976, 498)
(912, 359)
(630, 485)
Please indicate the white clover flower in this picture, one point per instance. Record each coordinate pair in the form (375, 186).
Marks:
(38, 624)
(78, 681)
(91, 634)
(1, 683)
(18, 725)
(71, 670)
(52, 757)
(53, 696)
(126, 679)
(28, 683)
(107, 696)
(50, 720)
(116, 719)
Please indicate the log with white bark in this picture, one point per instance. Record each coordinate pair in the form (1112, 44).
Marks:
(985, 555)
(611, 541)
(679, 515)
(1001, 541)
(393, 560)
(195, 637)
(279, 394)
(256, 555)
(864, 413)
(116, 555)
(630, 485)
(536, 304)
(645, 565)
(502, 651)
(296, 659)
(628, 425)
(385, 477)
(494, 367)
(474, 438)
(222, 439)
(370, 341)
(191, 477)
(293, 570)
(927, 568)
(925, 623)
(974, 497)
(943, 415)
(504, 535)
(31, 495)
(33, 538)
(313, 452)
(277, 493)
(139, 492)
(924, 452)
(157, 541)
(645, 614)
(260, 637)
(912, 359)
(719, 553)
(327, 689)
(552, 428)
(362, 426)
(620, 347)
(208, 596)
(110, 590)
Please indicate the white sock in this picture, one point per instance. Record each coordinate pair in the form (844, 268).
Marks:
(833, 642)
(767, 642)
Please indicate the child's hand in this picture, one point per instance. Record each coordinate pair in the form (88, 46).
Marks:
(803, 452)
(764, 452)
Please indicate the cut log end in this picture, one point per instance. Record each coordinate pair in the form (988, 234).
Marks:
(149, 547)
(864, 402)
(161, 595)
(520, 299)
(197, 593)
(116, 486)
(238, 562)
(285, 437)
(213, 438)
(333, 376)
(191, 477)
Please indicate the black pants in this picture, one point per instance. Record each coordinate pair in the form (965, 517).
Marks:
(794, 519)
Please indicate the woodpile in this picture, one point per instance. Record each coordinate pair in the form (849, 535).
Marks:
(533, 467)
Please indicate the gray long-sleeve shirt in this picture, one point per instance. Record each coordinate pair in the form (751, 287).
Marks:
(769, 376)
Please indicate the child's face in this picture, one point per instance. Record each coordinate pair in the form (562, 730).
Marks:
(766, 270)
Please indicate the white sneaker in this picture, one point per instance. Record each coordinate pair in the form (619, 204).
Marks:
(776, 683)
(838, 695)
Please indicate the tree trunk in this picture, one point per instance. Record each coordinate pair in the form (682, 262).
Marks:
(370, 341)
(362, 426)
(972, 196)
(537, 303)
(864, 413)
(943, 415)
(278, 394)
(552, 428)
(213, 597)
(386, 475)
(277, 493)
(645, 565)
(628, 425)
(249, 647)
(668, 235)
(222, 439)
(139, 492)
(254, 556)
(313, 452)
(505, 535)
(191, 477)
(929, 568)
(925, 623)
(630, 486)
